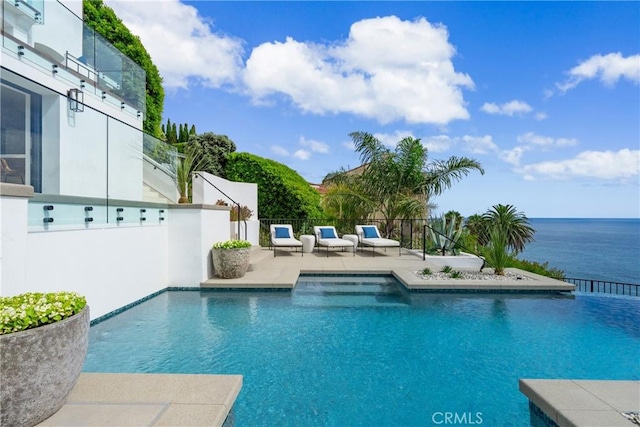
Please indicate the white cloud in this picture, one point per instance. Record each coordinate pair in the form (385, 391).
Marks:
(387, 70)
(438, 143)
(280, 151)
(510, 108)
(302, 154)
(480, 144)
(540, 116)
(607, 68)
(182, 44)
(608, 165)
(531, 138)
(392, 139)
(513, 156)
(315, 146)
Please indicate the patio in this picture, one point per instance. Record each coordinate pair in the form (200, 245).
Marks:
(282, 271)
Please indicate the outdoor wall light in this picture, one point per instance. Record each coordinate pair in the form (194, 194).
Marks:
(76, 100)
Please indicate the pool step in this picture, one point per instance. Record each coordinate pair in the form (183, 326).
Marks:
(349, 293)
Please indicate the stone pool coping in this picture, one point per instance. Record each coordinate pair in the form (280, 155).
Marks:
(124, 400)
(282, 272)
(584, 403)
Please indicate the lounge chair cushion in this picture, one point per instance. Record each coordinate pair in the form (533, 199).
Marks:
(370, 232)
(282, 233)
(327, 233)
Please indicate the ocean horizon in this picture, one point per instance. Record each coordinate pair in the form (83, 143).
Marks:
(588, 248)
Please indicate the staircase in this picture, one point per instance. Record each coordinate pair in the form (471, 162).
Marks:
(151, 195)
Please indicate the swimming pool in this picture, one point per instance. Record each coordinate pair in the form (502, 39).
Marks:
(349, 353)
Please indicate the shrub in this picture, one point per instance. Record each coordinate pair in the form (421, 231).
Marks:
(456, 275)
(535, 267)
(446, 269)
(245, 212)
(426, 271)
(282, 192)
(30, 310)
(232, 244)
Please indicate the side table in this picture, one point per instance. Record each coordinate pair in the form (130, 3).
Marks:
(308, 242)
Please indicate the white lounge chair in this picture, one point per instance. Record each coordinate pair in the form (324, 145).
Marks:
(328, 236)
(282, 237)
(368, 235)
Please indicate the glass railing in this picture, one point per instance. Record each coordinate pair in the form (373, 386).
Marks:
(34, 9)
(48, 213)
(67, 49)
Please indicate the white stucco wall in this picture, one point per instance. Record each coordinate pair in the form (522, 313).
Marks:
(192, 233)
(13, 245)
(125, 162)
(112, 267)
(244, 193)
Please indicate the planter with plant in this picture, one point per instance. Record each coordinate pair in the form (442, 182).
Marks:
(231, 258)
(43, 344)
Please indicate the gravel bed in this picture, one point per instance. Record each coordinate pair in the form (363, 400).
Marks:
(472, 275)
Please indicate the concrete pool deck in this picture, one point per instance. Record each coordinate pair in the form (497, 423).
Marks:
(282, 271)
(584, 403)
(148, 400)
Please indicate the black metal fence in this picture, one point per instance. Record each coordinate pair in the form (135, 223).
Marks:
(407, 231)
(602, 286)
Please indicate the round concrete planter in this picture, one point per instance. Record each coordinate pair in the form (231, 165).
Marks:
(230, 263)
(39, 368)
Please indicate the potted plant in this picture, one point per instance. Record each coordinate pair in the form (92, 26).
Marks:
(231, 258)
(43, 344)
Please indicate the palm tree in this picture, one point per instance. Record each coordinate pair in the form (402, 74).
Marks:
(192, 161)
(400, 182)
(514, 225)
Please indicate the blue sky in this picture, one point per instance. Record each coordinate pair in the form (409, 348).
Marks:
(545, 95)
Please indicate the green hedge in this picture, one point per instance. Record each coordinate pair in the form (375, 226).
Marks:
(282, 192)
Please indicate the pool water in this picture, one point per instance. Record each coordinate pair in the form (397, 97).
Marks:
(340, 352)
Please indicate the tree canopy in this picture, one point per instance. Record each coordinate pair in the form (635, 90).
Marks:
(214, 150)
(282, 192)
(395, 183)
(103, 20)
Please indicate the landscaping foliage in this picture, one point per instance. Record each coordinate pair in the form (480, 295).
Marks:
(30, 310)
(177, 135)
(214, 150)
(232, 244)
(395, 183)
(444, 233)
(104, 21)
(282, 192)
(245, 212)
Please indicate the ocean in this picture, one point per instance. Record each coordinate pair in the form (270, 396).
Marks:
(599, 249)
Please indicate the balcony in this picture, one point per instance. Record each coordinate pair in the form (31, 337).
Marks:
(65, 48)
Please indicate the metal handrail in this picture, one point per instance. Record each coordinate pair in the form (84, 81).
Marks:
(196, 174)
(603, 286)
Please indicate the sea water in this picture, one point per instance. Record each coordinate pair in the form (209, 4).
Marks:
(599, 249)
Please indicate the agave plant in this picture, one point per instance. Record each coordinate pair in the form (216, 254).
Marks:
(444, 233)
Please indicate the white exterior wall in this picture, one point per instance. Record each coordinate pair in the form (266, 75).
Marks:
(111, 267)
(192, 233)
(244, 193)
(13, 245)
(83, 152)
(61, 30)
(125, 162)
